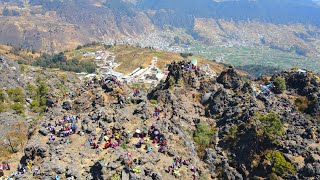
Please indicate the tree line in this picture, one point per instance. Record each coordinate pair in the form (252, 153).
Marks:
(60, 61)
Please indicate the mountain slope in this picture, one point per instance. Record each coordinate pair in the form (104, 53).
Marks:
(290, 28)
(193, 124)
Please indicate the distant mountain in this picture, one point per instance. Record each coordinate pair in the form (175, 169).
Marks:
(58, 25)
(271, 11)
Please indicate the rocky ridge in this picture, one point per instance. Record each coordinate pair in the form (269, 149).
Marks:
(240, 147)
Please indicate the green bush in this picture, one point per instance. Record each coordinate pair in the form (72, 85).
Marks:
(273, 176)
(116, 177)
(124, 145)
(280, 84)
(233, 132)
(60, 61)
(16, 94)
(31, 91)
(202, 136)
(18, 108)
(2, 95)
(35, 106)
(3, 107)
(153, 101)
(38, 95)
(279, 164)
(271, 126)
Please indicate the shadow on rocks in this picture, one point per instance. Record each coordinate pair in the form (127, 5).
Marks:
(96, 171)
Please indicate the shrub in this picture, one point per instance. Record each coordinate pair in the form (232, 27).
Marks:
(16, 94)
(39, 96)
(302, 103)
(116, 177)
(18, 108)
(2, 95)
(61, 61)
(202, 136)
(3, 107)
(16, 137)
(271, 126)
(172, 81)
(233, 132)
(153, 101)
(280, 165)
(124, 145)
(280, 84)
(31, 91)
(273, 176)
(35, 106)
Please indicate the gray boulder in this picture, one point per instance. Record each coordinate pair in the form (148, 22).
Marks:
(34, 148)
(43, 131)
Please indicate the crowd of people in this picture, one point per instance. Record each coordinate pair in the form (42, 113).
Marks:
(151, 138)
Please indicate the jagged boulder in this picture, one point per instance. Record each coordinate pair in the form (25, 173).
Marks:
(218, 101)
(67, 105)
(230, 79)
(35, 148)
(43, 131)
(49, 103)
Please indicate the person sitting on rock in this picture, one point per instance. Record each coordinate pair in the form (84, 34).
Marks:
(90, 141)
(107, 145)
(74, 128)
(94, 145)
(169, 169)
(115, 144)
(52, 138)
(36, 172)
(138, 145)
(6, 165)
(185, 162)
(155, 140)
(1, 170)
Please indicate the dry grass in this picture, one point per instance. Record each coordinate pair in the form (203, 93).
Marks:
(131, 58)
(21, 55)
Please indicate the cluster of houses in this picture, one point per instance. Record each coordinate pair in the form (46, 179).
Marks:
(106, 62)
